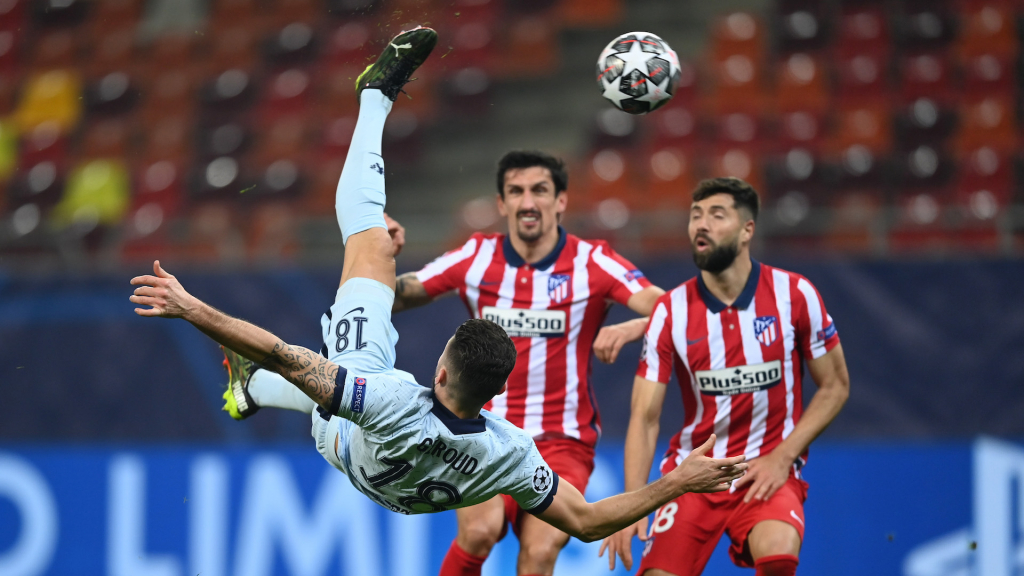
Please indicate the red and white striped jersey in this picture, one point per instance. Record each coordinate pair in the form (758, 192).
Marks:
(739, 366)
(553, 310)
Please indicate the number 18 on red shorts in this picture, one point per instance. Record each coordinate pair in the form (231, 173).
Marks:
(686, 530)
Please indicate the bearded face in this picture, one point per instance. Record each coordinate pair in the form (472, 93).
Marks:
(714, 257)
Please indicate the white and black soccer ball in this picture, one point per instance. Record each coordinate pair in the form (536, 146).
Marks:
(638, 72)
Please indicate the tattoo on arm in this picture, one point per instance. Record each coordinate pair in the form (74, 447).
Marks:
(409, 292)
(307, 370)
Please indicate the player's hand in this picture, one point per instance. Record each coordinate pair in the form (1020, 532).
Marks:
(621, 542)
(163, 292)
(611, 339)
(397, 232)
(698, 473)
(766, 475)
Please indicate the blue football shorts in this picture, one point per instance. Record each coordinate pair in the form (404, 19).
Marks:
(358, 333)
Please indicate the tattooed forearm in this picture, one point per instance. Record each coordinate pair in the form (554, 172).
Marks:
(409, 292)
(307, 370)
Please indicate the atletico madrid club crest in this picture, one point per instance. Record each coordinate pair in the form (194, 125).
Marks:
(558, 287)
(766, 329)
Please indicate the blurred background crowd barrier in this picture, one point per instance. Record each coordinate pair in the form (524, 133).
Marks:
(883, 135)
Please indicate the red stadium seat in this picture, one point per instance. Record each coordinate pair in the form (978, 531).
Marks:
(11, 47)
(12, 12)
(738, 33)
(672, 177)
(801, 83)
(590, 13)
(529, 47)
(171, 93)
(271, 234)
(675, 125)
(801, 128)
(287, 92)
(473, 45)
(610, 174)
(863, 29)
(861, 77)
(987, 122)
(234, 46)
(112, 50)
(741, 129)
(106, 138)
(988, 73)
(988, 28)
(44, 143)
(864, 125)
(116, 13)
(738, 84)
(55, 49)
(350, 43)
(737, 162)
(286, 11)
(927, 75)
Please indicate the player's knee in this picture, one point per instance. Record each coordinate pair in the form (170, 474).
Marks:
(772, 538)
(540, 554)
(478, 536)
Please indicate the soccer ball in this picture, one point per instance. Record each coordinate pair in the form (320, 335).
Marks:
(638, 72)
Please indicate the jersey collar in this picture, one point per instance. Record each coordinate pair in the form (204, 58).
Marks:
(515, 260)
(453, 423)
(716, 306)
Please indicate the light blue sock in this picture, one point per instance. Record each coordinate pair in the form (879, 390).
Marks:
(271, 390)
(360, 200)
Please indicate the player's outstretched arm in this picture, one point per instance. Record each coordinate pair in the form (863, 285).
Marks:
(572, 514)
(167, 298)
(612, 338)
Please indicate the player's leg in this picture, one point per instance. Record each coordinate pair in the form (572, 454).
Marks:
(480, 528)
(539, 545)
(360, 199)
(775, 547)
(684, 534)
(270, 390)
(539, 542)
(767, 535)
(358, 331)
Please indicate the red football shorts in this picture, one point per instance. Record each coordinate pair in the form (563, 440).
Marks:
(571, 459)
(686, 530)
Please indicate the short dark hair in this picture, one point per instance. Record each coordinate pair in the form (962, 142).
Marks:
(743, 194)
(481, 357)
(518, 159)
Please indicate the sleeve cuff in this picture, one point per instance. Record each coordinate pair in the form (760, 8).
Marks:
(540, 508)
(339, 390)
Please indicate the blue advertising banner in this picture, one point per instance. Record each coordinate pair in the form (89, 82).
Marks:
(884, 509)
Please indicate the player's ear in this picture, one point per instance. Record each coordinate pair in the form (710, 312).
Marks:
(504, 387)
(748, 230)
(501, 205)
(442, 376)
(562, 201)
